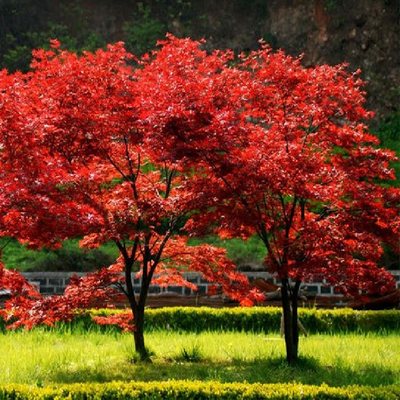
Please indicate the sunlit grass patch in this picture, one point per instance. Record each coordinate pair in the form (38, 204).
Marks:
(42, 357)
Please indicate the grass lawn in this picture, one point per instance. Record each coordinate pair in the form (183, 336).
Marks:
(43, 357)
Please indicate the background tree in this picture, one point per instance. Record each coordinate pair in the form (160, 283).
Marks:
(75, 161)
(287, 156)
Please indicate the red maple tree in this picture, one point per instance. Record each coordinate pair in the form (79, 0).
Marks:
(76, 161)
(192, 141)
(287, 156)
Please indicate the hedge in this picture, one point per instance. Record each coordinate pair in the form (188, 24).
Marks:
(183, 390)
(255, 319)
(266, 319)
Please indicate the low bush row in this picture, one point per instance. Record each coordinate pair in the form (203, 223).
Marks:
(265, 319)
(183, 390)
(256, 319)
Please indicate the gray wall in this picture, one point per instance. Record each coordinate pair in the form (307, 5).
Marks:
(55, 282)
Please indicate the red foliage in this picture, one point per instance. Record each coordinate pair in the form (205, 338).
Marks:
(122, 320)
(20, 294)
(15, 283)
(192, 142)
(76, 160)
(282, 151)
(25, 306)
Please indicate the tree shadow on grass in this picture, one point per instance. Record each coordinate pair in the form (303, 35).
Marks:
(271, 370)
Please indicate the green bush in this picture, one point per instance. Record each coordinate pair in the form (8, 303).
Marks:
(72, 260)
(264, 319)
(256, 319)
(244, 253)
(389, 135)
(70, 257)
(142, 33)
(197, 390)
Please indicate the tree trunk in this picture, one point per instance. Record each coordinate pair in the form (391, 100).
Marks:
(138, 334)
(295, 318)
(137, 305)
(290, 322)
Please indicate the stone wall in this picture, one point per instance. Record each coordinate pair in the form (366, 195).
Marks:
(55, 282)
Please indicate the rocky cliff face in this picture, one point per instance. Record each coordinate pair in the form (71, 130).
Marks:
(364, 33)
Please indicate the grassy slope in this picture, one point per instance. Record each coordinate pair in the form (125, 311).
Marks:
(16, 256)
(51, 357)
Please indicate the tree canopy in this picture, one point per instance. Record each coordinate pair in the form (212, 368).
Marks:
(145, 152)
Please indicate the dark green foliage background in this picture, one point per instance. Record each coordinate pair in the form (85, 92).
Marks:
(70, 257)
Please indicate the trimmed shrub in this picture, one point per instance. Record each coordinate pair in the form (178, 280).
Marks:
(238, 319)
(264, 319)
(184, 390)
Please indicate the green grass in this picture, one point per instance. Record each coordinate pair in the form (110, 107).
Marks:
(42, 357)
